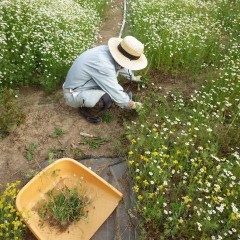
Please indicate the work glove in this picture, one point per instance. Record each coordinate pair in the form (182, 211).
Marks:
(136, 79)
(137, 106)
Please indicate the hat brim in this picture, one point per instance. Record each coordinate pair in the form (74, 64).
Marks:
(122, 60)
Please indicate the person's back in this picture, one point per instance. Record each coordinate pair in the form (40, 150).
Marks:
(85, 66)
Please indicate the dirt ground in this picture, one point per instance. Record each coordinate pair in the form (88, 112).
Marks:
(46, 113)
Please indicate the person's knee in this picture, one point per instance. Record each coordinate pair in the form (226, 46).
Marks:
(107, 101)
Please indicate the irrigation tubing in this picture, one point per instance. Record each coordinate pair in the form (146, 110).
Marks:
(124, 18)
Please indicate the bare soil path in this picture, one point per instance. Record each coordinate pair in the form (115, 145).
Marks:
(31, 143)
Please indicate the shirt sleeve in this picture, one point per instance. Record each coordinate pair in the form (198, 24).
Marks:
(126, 73)
(107, 80)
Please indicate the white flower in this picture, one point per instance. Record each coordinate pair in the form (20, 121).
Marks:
(199, 226)
(221, 208)
(209, 130)
(228, 104)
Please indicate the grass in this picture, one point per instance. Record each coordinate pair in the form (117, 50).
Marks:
(55, 153)
(107, 117)
(30, 173)
(95, 142)
(31, 151)
(11, 113)
(57, 132)
(63, 207)
(76, 153)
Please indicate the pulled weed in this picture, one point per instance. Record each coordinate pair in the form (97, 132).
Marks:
(63, 207)
(95, 142)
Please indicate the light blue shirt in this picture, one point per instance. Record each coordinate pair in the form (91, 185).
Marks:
(96, 69)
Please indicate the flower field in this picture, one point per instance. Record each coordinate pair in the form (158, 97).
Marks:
(11, 224)
(40, 39)
(184, 36)
(185, 155)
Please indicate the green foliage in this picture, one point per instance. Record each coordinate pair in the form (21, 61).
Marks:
(10, 112)
(98, 6)
(30, 151)
(55, 153)
(30, 174)
(63, 207)
(76, 152)
(184, 160)
(185, 181)
(11, 224)
(57, 132)
(184, 151)
(40, 39)
(144, 82)
(95, 142)
(107, 117)
(184, 37)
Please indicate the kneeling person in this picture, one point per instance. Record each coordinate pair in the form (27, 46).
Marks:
(91, 83)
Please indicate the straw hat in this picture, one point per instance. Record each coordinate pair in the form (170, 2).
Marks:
(128, 52)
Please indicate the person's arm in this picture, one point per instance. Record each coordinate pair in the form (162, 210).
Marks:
(128, 74)
(108, 82)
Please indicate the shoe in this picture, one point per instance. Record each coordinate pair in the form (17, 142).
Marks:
(94, 120)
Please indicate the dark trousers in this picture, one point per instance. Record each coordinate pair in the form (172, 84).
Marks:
(102, 105)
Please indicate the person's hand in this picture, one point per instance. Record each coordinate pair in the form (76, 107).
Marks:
(136, 79)
(137, 105)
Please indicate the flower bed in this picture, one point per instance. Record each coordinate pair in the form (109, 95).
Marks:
(12, 226)
(40, 39)
(184, 155)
